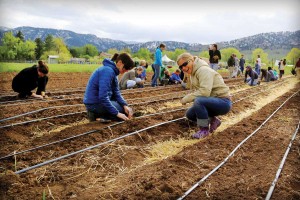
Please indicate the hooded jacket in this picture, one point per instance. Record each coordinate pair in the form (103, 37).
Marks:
(158, 57)
(102, 87)
(205, 82)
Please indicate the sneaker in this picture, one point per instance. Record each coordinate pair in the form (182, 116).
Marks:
(202, 133)
(214, 124)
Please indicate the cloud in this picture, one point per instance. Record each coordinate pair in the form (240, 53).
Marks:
(135, 20)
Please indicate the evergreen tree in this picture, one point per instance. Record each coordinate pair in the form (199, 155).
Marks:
(39, 48)
(49, 43)
(21, 36)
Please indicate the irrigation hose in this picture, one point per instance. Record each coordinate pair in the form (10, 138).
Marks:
(140, 103)
(39, 110)
(82, 134)
(270, 192)
(92, 147)
(232, 153)
(40, 119)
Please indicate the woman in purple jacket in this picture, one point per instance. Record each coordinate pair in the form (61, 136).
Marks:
(102, 96)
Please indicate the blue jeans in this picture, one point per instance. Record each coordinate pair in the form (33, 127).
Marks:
(207, 107)
(156, 70)
(101, 112)
(257, 70)
(214, 66)
(248, 80)
(242, 69)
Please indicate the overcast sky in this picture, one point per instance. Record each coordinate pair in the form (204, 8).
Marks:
(191, 21)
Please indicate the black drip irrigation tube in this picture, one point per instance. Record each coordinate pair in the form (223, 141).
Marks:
(271, 189)
(103, 128)
(234, 150)
(40, 119)
(40, 101)
(82, 134)
(28, 101)
(140, 103)
(35, 111)
(43, 109)
(94, 146)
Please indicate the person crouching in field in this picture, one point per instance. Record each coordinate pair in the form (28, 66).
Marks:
(30, 78)
(253, 79)
(175, 77)
(102, 96)
(130, 79)
(211, 95)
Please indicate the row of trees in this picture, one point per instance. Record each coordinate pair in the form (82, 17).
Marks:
(16, 48)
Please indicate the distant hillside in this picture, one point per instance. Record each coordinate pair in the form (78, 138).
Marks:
(71, 38)
(270, 41)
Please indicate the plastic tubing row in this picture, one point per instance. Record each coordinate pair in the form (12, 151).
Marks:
(270, 192)
(82, 134)
(235, 149)
(94, 146)
(40, 119)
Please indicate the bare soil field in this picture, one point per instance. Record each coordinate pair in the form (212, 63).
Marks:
(49, 149)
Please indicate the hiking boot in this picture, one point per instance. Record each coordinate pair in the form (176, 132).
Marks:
(214, 124)
(91, 116)
(202, 133)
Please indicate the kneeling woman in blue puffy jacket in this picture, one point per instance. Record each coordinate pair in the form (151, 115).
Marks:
(102, 96)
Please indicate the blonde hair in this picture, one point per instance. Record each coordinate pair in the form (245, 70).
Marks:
(142, 62)
(185, 57)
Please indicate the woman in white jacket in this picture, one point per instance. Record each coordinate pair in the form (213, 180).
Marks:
(210, 94)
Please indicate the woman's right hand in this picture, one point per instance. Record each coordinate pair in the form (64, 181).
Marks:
(122, 116)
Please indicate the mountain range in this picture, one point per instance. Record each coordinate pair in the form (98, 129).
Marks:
(272, 40)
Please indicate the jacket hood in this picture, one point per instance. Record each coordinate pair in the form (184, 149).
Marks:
(197, 64)
(111, 64)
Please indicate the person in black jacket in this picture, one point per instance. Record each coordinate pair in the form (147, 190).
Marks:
(231, 64)
(253, 80)
(30, 78)
(214, 57)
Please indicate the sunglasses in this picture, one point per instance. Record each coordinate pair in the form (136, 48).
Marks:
(184, 64)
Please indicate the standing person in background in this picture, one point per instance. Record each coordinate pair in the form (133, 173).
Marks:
(257, 67)
(157, 64)
(210, 97)
(297, 68)
(279, 63)
(102, 96)
(259, 61)
(281, 69)
(230, 64)
(236, 70)
(214, 56)
(30, 78)
(242, 64)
